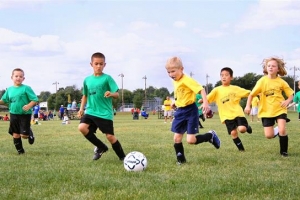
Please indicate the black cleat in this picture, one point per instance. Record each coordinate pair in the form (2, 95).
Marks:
(31, 137)
(284, 154)
(99, 152)
(249, 129)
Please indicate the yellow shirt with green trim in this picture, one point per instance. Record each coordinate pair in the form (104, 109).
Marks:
(271, 96)
(228, 100)
(185, 91)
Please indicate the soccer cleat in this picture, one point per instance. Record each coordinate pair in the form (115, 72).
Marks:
(249, 129)
(31, 137)
(21, 151)
(99, 152)
(284, 154)
(215, 140)
(180, 162)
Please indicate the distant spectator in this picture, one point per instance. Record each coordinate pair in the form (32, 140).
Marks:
(144, 114)
(6, 118)
(62, 111)
(50, 115)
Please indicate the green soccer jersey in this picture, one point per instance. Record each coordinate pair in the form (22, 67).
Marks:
(17, 97)
(297, 100)
(198, 97)
(94, 88)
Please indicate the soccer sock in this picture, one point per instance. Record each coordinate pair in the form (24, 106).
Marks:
(94, 140)
(203, 138)
(179, 150)
(276, 131)
(18, 145)
(239, 144)
(283, 142)
(118, 149)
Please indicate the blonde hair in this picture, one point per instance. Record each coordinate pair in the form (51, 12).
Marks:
(174, 62)
(280, 63)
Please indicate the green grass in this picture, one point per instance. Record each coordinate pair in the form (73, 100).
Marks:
(59, 164)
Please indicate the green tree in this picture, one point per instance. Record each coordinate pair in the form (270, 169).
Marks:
(138, 100)
(44, 95)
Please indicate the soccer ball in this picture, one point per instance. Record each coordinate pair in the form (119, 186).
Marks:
(135, 161)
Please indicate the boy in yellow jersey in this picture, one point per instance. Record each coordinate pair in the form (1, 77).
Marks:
(254, 108)
(273, 105)
(227, 98)
(186, 116)
(168, 109)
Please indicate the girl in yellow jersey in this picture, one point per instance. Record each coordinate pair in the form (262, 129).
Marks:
(273, 105)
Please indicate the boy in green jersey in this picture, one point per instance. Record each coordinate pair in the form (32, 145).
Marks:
(98, 91)
(20, 99)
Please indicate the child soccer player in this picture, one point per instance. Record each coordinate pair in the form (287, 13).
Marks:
(20, 99)
(273, 105)
(227, 98)
(186, 117)
(199, 102)
(254, 108)
(296, 100)
(98, 91)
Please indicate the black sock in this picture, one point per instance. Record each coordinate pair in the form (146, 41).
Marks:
(283, 142)
(203, 138)
(18, 145)
(94, 140)
(118, 150)
(239, 144)
(179, 150)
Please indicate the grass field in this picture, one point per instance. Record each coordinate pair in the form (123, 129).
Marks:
(59, 164)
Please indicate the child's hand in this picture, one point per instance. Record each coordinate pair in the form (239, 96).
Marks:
(26, 108)
(247, 110)
(80, 113)
(205, 107)
(284, 104)
(107, 94)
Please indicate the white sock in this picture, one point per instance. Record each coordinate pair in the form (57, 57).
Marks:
(276, 131)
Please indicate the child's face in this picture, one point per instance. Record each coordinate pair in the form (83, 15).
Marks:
(272, 68)
(17, 77)
(225, 77)
(175, 73)
(98, 65)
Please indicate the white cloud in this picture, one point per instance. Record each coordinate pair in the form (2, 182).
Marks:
(270, 14)
(179, 24)
(141, 25)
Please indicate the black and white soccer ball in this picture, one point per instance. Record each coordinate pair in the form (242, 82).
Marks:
(135, 161)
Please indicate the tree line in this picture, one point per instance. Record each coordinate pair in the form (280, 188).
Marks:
(70, 93)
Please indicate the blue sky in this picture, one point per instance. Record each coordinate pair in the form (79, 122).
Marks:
(53, 40)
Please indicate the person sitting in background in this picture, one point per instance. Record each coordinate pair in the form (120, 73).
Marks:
(50, 115)
(144, 114)
(6, 118)
(65, 119)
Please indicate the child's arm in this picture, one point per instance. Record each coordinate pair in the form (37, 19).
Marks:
(29, 106)
(111, 94)
(290, 105)
(81, 109)
(205, 105)
(248, 105)
(285, 104)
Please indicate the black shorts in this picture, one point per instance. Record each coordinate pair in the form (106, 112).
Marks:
(270, 121)
(234, 123)
(105, 126)
(35, 116)
(19, 124)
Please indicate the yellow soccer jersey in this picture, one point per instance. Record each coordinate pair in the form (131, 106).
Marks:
(271, 96)
(254, 102)
(185, 91)
(167, 104)
(228, 99)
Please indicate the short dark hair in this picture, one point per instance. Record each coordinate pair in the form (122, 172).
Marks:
(229, 70)
(97, 55)
(18, 70)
